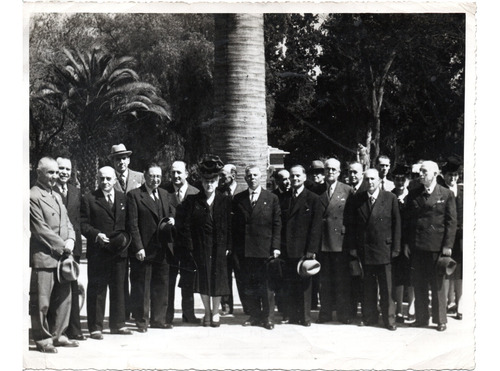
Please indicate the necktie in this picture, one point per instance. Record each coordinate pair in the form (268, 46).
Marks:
(121, 179)
(110, 201)
(330, 192)
(382, 185)
(254, 198)
(179, 197)
(64, 191)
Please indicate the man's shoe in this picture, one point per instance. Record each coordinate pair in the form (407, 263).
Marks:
(68, 343)
(79, 337)
(251, 322)
(162, 325)
(225, 309)
(362, 324)
(441, 327)
(400, 318)
(392, 327)
(305, 323)
(142, 329)
(97, 335)
(268, 325)
(285, 321)
(191, 319)
(121, 331)
(347, 321)
(419, 324)
(458, 316)
(49, 348)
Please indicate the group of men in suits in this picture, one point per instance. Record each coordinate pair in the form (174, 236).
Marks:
(360, 224)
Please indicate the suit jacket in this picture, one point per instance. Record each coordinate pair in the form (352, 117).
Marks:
(72, 203)
(334, 213)
(134, 180)
(50, 227)
(430, 221)
(143, 219)
(301, 229)
(98, 217)
(458, 245)
(171, 189)
(377, 228)
(257, 230)
(388, 185)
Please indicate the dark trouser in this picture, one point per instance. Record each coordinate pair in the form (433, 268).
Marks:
(47, 294)
(378, 278)
(424, 275)
(149, 291)
(74, 327)
(228, 299)
(104, 272)
(296, 293)
(186, 283)
(335, 284)
(239, 277)
(259, 296)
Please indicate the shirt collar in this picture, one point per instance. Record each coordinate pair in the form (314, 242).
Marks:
(430, 189)
(112, 193)
(122, 175)
(233, 186)
(210, 200)
(182, 188)
(375, 194)
(331, 187)
(256, 191)
(298, 191)
(150, 190)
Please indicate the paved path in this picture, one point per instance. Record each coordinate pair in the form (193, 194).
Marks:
(231, 346)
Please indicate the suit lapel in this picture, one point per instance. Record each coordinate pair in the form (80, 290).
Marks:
(51, 201)
(101, 201)
(148, 201)
(364, 209)
(164, 201)
(245, 202)
(298, 202)
(119, 203)
(259, 205)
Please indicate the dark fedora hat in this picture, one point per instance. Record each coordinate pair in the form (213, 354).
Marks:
(317, 166)
(119, 241)
(210, 166)
(445, 265)
(119, 149)
(166, 232)
(68, 269)
(452, 166)
(308, 267)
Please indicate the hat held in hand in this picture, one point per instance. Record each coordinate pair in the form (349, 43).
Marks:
(445, 265)
(308, 267)
(119, 241)
(68, 269)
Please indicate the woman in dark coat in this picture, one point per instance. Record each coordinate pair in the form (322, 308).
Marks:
(207, 231)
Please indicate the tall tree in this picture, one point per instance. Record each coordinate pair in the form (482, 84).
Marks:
(238, 131)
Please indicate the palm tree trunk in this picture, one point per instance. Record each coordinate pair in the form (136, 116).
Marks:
(239, 129)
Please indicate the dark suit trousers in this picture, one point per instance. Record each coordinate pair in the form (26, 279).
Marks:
(378, 278)
(47, 294)
(74, 326)
(335, 286)
(186, 283)
(228, 299)
(149, 291)
(259, 296)
(104, 272)
(297, 293)
(424, 275)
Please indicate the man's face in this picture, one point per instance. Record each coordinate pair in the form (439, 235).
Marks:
(48, 174)
(383, 166)
(107, 179)
(283, 180)
(298, 177)
(332, 171)
(121, 163)
(209, 185)
(178, 174)
(226, 178)
(318, 177)
(355, 174)
(64, 170)
(252, 177)
(372, 179)
(427, 175)
(152, 177)
(451, 178)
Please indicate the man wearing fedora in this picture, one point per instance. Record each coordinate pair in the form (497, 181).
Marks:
(256, 238)
(335, 279)
(149, 269)
(103, 212)
(127, 179)
(179, 189)
(376, 238)
(52, 237)
(430, 215)
(71, 198)
(316, 177)
(300, 237)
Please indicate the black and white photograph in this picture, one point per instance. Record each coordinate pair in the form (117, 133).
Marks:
(249, 186)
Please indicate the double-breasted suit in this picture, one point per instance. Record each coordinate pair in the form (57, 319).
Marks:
(206, 233)
(376, 230)
(134, 180)
(50, 228)
(186, 279)
(301, 234)
(72, 201)
(149, 278)
(335, 279)
(105, 268)
(256, 234)
(430, 226)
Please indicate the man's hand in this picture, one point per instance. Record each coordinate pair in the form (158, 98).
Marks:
(276, 253)
(310, 255)
(353, 253)
(140, 255)
(102, 239)
(447, 251)
(69, 245)
(171, 221)
(228, 252)
(394, 254)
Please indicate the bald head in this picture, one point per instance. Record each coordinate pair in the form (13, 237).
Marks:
(47, 172)
(106, 177)
(283, 180)
(429, 170)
